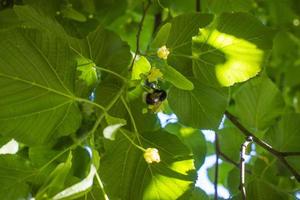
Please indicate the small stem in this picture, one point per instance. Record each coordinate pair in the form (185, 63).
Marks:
(101, 186)
(132, 142)
(138, 34)
(217, 150)
(280, 155)
(242, 165)
(114, 100)
(90, 102)
(132, 120)
(112, 72)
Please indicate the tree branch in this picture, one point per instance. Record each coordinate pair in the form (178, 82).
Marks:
(242, 165)
(286, 154)
(280, 155)
(138, 34)
(217, 149)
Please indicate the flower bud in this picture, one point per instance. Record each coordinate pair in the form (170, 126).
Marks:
(151, 155)
(163, 52)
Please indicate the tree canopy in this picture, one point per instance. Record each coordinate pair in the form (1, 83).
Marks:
(82, 83)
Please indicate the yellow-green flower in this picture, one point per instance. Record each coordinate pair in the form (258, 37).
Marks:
(152, 155)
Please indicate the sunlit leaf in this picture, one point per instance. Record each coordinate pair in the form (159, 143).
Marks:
(167, 179)
(231, 50)
(141, 66)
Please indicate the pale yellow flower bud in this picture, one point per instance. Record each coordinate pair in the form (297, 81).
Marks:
(151, 155)
(163, 52)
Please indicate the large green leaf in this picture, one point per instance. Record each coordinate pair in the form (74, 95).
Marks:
(36, 96)
(232, 50)
(14, 175)
(33, 18)
(219, 6)
(258, 102)
(126, 175)
(183, 28)
(230, 141)
(284, 136)
(192, 138)
(105, 49)
(259, 189)
(202, 107)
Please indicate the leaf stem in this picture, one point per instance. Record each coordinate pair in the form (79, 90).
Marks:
(131, 141)
(113, 73)
(280, 155)
(101, 186)
(132, 120)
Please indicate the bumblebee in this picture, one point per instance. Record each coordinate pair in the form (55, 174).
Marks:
(156, 97)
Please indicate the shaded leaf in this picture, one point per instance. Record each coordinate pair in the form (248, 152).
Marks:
(258, 103)
(36, 96)
(202, 107)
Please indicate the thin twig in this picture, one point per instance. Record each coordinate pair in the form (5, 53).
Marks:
(242, 165)
(285, 154)
(217, 149)
(226, 158)
(280, 155)
(138, 34)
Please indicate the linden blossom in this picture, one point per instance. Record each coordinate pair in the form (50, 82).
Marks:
(152, 155)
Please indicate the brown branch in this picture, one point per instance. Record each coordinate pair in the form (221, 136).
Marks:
(280, 155)
(138, 34)
(243, 165)
(217, 149)
(286, 154)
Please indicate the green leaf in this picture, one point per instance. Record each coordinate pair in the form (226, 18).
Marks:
(232, 50)
(56, 180)
(33, 18)
(141, 66)
(73, 14)
(230, 141)
(284, 136)
(202, 107)
(15, 173)
(199, 194)
(105, 49)
(176, 78)
(8, 19)
(259, 189)
(126, 175)
(183, 28)
(223, 170)
(219, 6)
(258, 103)
(36, 96)
(162, 36)
(88, 71)
(192, 138)
(77, 189)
